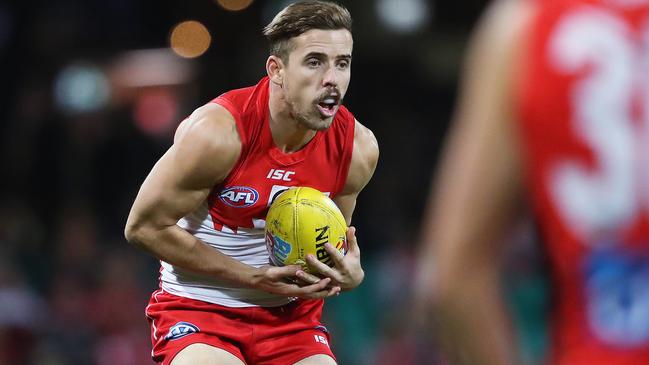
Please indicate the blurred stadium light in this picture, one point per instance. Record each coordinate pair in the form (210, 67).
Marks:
(151, 67)
(150, 81)
(81, 88)
(190, 39)
(234, 5)
(156, 111)
(404, 16)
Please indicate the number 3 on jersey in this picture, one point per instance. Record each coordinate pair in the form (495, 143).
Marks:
(602, 47)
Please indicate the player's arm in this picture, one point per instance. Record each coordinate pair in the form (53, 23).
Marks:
(476, 195)
(365, 156)
(205, 149)
(347, 272)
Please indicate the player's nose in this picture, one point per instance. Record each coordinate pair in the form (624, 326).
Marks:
(330, 77)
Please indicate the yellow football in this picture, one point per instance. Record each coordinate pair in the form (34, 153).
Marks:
(299, 222)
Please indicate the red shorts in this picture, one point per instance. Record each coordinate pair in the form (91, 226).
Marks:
(256, 335)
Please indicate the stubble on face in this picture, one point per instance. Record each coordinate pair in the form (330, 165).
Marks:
(308, 117)
(316, 112)
(314, 122)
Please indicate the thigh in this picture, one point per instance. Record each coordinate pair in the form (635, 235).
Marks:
(177, 324)
(200, 353)
(289, 334)
(317, 360)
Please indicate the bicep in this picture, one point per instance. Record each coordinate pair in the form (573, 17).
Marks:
(169, 192)
(201, 156)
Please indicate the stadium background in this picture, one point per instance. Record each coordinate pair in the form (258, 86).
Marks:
(90, 97)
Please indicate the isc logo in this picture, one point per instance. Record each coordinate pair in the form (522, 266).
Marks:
(239, 196)
(321, 339)
(277, 174)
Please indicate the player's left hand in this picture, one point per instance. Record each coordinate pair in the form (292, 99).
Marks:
(347, 272)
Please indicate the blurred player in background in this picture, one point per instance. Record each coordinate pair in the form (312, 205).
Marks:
(201, 210)
(554, 108)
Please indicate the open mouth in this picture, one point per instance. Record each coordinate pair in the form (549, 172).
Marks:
(328, 106)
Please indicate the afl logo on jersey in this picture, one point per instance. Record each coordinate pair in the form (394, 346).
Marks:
(239, 196)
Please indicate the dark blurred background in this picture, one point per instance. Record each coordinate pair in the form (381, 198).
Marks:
(91, 94)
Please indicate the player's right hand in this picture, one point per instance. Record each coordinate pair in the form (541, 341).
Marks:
(292, 281)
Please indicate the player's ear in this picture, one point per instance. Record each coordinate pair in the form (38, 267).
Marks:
(275, 69)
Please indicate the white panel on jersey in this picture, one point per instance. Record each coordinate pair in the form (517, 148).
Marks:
(246, 245)
(259, 223)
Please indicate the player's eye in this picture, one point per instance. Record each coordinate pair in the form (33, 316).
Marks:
(343, 64)
(313, 62)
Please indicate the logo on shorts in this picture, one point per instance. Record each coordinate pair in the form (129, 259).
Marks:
(321, 339)
(181, 329)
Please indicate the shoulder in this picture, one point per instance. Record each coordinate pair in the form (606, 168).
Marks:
(507, 15)
(502, 26)
(493, 58)
(208, 137)
(211, 125)
(365, 157)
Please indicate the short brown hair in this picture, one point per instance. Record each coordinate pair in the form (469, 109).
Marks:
(301, 17)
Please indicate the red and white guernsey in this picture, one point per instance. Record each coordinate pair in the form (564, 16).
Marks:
(584, 110)
(232, 218)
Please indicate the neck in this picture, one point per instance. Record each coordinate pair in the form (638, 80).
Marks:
(288, 133)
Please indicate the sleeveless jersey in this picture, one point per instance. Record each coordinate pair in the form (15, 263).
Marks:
(583, 107)
(232, 218)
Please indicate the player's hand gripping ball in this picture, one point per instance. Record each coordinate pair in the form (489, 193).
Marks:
(299, 222)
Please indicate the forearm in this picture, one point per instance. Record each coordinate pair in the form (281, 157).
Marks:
(475, 326)
(176, 246)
